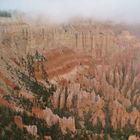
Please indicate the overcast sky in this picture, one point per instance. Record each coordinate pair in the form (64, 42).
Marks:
(116, 10)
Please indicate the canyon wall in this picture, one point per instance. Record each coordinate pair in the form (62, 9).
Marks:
(22, 37)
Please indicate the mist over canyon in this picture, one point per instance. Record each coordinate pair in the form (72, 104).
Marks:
(69, 70)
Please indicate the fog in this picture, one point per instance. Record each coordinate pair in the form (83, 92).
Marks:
(126, 11)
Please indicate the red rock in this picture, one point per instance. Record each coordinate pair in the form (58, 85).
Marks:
(47, 138)
(67, 124)
(18, 121)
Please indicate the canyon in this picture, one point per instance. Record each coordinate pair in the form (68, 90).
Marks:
(76, 81)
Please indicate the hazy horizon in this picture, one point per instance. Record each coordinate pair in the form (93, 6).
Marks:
(61, 10)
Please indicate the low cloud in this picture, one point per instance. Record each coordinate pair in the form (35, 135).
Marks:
(126, 11)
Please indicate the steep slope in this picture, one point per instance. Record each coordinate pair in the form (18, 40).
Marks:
(81, 92)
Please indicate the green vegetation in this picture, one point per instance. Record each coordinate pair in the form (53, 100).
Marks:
(119, 134)
(64, 111)
(124, 133)
(30, 61)
(43, 93)
(5, 14)
(20, 101)
(28, 81)
(8, 129)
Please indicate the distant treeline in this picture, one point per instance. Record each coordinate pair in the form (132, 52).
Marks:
(5, 14)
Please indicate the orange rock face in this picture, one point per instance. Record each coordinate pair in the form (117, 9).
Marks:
(97, 78)
(133, 138)
(47, 138)
(67, 124)
(18, 121)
